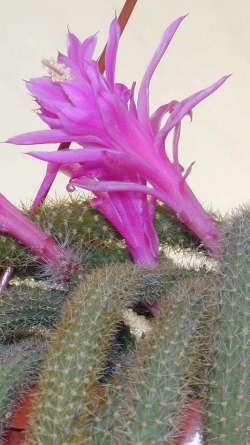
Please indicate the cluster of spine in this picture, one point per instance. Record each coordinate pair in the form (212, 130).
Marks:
(228, 413)
(19, 368)
(75, 223)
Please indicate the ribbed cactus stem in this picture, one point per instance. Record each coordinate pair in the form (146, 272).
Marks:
(228, 416)
(78, 354)
(73, 222)
(144, 404)
(19, 366)
(27, 309)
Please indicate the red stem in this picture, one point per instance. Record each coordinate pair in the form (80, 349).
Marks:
(123, 20)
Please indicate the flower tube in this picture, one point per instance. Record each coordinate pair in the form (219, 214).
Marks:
(15, 224)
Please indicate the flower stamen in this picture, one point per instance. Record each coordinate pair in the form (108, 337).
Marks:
(58, 71)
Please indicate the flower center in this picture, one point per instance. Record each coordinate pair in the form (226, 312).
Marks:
(58, 71)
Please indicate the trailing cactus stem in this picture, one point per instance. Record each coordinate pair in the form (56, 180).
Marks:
(26, 309)
(145, 402)
(78, 353)
(228, 416)
(19, 366)
(75, 223)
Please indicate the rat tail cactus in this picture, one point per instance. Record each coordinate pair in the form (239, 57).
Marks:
(146, 400)
(78, 353)
(229, 399)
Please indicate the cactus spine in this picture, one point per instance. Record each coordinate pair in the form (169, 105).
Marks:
(228, 417)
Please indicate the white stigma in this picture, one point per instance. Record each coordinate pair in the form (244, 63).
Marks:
(58, 71)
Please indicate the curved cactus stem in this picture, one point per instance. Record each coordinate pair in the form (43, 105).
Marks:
(19, 366)
(145, 402)
(228, 412)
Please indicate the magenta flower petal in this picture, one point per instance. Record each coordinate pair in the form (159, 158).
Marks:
(53, 136)
(111, 52)
(40, 137)
(143, 98)
(52, 122)
(79, 121)
(112, 186)
(42, 88)
(88, 47)
(80, 95)
(120, 209)
(185, 107)
(51, 172)
(176, 138)
(158, 115)
(72, 156)
(74, 46)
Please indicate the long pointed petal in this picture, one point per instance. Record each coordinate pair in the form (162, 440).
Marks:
(73, 47)
(143, 97)
(176, 138)
(186, 106)
(111, 51)
(40, 137)
(51, 172)
(44, 88)
(157, 116)
(88, 47)
(111, 186)
(69, 156)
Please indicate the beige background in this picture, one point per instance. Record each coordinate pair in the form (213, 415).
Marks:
(213, 40)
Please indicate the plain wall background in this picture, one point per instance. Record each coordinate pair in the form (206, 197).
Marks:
(213, 40)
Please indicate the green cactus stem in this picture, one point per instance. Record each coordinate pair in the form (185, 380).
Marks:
(74, 223)
(228, 416)
(26, 309)
(145, 402)
(78, 355)
(19, 367)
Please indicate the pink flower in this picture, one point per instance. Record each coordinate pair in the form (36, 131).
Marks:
(124, 159)
(14, 223)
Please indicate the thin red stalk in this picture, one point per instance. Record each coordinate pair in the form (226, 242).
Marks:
(123, 20)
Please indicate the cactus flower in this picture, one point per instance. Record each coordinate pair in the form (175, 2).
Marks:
(14, 223)
(123, 159)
